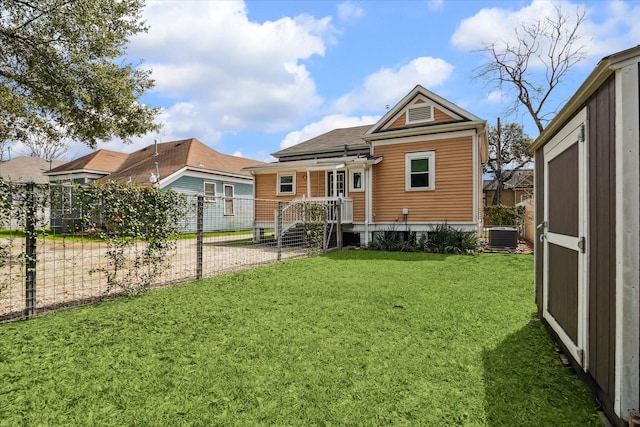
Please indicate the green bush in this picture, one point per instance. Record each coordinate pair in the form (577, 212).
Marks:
(441, 239)
(503, 215)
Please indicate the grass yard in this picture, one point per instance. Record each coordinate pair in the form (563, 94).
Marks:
(350, 338)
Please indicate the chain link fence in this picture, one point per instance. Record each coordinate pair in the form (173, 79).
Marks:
(51, 258)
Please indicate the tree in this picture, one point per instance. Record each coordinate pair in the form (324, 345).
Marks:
(554, 43)
(38, 146)
(508, 153)
(62, 73)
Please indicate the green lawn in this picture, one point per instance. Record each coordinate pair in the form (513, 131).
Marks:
(350, 338)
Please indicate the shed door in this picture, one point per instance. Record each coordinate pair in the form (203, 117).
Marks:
(565, 246)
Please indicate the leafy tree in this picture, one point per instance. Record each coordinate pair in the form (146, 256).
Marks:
(62, 74)
(553, 43)
(508, 153)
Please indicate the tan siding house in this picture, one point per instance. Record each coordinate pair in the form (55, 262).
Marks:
(420, 165)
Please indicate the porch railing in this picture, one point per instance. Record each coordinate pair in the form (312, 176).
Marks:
(295, 212)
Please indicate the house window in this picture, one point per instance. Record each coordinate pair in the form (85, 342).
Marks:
(356, 180)
(420, 171)
(286, 183)
(339, 184)
(228, 199)
(209, 191)
(420, 113)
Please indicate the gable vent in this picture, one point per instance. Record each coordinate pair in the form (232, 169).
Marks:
(420, 114)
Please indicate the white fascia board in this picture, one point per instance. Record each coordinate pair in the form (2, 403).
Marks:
(83, 173)
(627, 158)
(425, 137)
(204, 174)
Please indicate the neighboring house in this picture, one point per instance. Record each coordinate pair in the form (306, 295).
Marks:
(516, 190)
(418, 166)
(25, 169)
(588, 215)
(186, 166)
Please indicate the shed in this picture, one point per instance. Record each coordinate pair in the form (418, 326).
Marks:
(587, 255)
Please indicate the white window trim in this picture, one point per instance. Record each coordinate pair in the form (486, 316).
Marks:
(208, 198)
(225, 197)
(351, 180)
(286, 193)
(328, 178)
(421, 105)
(431, 155)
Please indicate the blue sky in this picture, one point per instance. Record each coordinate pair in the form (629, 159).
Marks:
(249, 78)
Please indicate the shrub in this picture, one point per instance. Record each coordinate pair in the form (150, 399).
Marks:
(446, 239)
(503, 215)
(441, 239)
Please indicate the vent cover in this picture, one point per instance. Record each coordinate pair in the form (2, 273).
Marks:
(420, 114)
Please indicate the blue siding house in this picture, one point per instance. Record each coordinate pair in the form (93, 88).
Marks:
(187, 166)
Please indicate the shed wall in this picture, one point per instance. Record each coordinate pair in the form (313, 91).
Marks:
(602, 247)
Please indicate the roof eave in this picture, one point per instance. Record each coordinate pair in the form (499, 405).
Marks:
(75, 172)
(336, 148)
(479, 125)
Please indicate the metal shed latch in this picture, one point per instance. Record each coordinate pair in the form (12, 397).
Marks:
(582, 244)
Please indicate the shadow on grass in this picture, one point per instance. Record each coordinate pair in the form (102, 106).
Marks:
(526, 384)
(369, 254)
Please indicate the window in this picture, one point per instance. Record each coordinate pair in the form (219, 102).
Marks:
(356, 180)
(339, 184)
(420, 171)
(209, 191)
(420, 113)
(228, 199)
(286, 183)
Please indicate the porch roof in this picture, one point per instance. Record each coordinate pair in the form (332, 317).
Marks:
(316, 164)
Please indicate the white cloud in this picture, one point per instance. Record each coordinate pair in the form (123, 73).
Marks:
(614, 28)
(327, 124)
(608, 27)
(435, 5)
(217, 71)
(497, 97)
(388, 86)
(237, 154)
(348, 11)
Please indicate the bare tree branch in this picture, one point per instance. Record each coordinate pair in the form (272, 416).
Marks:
(553, 43)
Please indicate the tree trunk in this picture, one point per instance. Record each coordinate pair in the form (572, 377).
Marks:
(497, 196)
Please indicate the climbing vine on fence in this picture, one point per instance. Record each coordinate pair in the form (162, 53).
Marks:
(22, 211)
(315, 225)
(140, 226)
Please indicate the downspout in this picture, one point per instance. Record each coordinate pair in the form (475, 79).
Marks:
(478, 211)
(367, 208)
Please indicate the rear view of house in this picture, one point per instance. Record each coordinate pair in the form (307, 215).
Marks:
(588, 215)
(420, 165)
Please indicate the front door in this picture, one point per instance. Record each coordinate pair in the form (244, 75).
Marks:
(565, 246)
(337, 189)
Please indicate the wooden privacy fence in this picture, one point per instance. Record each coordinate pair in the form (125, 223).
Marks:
(44, 268)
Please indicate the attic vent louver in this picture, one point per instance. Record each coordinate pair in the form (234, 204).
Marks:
(420, 114)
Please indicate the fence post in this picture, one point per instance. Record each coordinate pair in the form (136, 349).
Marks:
(199, 233)
(30, 249)
(279, 230)
(339, 223)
